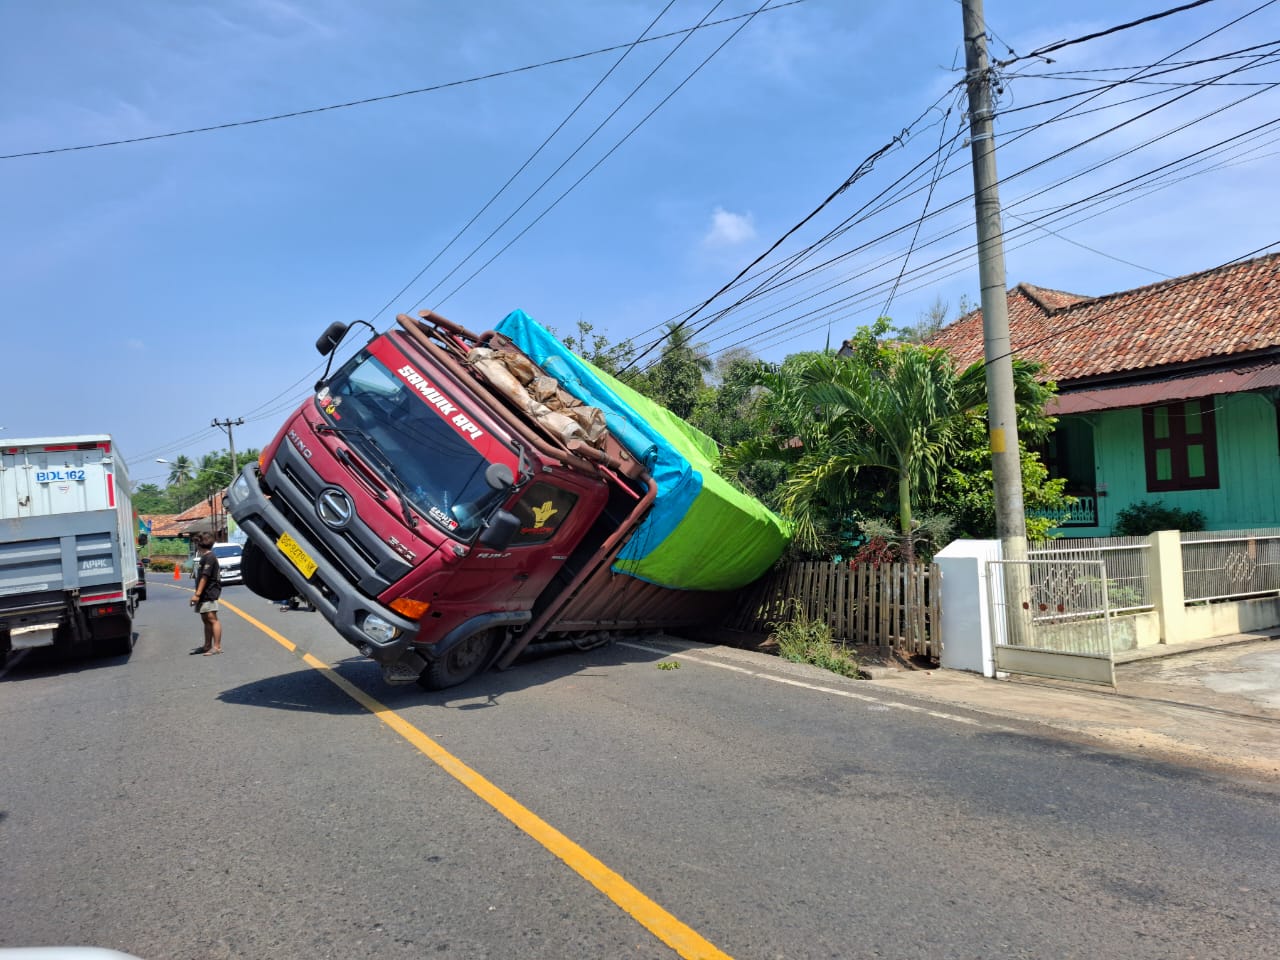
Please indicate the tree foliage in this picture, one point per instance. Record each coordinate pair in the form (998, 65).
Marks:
(597, 349)
(676, 379)
(191, 481)
(897, 414)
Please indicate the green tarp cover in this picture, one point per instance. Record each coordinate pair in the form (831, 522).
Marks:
(702, 533)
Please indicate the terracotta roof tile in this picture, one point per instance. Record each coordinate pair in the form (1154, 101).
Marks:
(1229, 310)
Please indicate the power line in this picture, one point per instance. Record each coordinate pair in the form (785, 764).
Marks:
(1099, 197)
(1085, 246)
(1061, 153)
(266, 410)
(862, 170)
(941, 263)
(565, 162)
(645, 119)
(386, 96)
(1069, 111)
(772, 288)
(1040, 53)
(501, 190)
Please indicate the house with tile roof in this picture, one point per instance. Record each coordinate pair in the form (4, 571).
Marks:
(1167, 392)
(207, 515)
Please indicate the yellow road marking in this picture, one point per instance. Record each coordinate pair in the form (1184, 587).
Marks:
(681, 938)
(287, 644)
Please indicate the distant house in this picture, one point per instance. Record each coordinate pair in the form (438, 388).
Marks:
(1166, 392)
(207, 515)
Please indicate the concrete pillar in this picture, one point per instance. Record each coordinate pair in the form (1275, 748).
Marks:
(1164, 575)
(966, 609)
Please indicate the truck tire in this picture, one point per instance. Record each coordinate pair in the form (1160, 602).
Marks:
(257, 573)
(461, 663)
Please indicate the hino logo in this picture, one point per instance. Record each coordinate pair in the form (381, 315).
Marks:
(334, 507)
(300, 444)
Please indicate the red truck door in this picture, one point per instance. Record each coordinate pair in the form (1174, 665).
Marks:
(552, 520)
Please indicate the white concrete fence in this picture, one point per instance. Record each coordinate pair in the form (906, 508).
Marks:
(1249, 560)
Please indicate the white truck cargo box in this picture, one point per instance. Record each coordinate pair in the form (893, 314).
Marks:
(68, 551)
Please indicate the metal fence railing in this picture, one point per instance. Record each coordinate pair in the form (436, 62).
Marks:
(1125, 560)
(1082, 511)
(1221, 564)
(1051, 618)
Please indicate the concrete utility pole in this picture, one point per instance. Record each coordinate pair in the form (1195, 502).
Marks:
(227, 425)
(1011, 524)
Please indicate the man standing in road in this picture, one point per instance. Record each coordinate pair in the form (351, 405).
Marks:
(205, 599)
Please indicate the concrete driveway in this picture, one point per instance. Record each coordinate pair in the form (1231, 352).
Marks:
(1242, 678)
(1211, 704)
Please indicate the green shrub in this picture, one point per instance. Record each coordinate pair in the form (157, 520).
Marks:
(1146, 517)
(801, 639)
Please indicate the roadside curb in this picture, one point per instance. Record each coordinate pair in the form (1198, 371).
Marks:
(1181, 733)
(1167, 651)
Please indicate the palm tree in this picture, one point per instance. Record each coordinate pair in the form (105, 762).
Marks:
(901, 407)
(677, 378)
(181, 469)
(905, 416)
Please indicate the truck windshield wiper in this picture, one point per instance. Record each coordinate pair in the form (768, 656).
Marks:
(397, 484)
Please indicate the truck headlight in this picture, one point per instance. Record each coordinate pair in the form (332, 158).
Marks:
(240, 488)
(377, 629)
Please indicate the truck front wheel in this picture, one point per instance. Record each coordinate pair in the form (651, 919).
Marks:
(461, 663)
(261, 577)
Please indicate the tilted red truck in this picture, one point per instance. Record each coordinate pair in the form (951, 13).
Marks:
(447, 498)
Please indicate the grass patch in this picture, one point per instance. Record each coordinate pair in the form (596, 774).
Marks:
(802, 639)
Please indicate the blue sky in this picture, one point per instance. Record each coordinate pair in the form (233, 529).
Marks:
(148, 288)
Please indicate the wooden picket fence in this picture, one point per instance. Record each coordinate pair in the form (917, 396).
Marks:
(890, 605)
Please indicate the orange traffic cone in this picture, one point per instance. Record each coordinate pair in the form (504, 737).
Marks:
(177, 573)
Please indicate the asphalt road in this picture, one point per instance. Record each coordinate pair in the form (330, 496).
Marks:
(588, 806)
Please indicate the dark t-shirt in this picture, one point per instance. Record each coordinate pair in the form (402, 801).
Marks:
(210, 571)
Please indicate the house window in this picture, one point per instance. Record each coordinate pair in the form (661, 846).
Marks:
(1181, 444)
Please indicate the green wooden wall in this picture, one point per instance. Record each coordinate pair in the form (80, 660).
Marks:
(1248, 462)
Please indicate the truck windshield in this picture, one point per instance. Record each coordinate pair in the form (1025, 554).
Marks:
(440, 472)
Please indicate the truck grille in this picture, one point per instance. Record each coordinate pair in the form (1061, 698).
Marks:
(355, 550)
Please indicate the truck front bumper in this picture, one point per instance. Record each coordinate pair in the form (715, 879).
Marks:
(327, 589)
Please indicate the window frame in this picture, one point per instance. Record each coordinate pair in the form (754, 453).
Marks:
(1178, 443)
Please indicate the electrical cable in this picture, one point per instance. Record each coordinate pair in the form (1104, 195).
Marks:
(386, 96)
(1038, 126)
(1061, 153)
(560, 126)
(661, 103)
(1041, 52)
(1117, 189)
(554, 173)
(862, 169)
(928, 197)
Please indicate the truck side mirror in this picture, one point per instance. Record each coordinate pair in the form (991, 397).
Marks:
(499, 476)
(142, 539)
(500, 530)
(331, 337)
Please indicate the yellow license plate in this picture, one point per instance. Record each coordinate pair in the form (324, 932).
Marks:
(297, 556)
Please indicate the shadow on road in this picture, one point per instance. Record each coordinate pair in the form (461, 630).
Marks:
(308, 691)
(303, 690)
(47, 662)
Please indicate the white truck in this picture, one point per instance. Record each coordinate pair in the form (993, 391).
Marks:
(69, 573)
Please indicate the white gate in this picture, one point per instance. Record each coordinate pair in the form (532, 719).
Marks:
(1052, 618)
